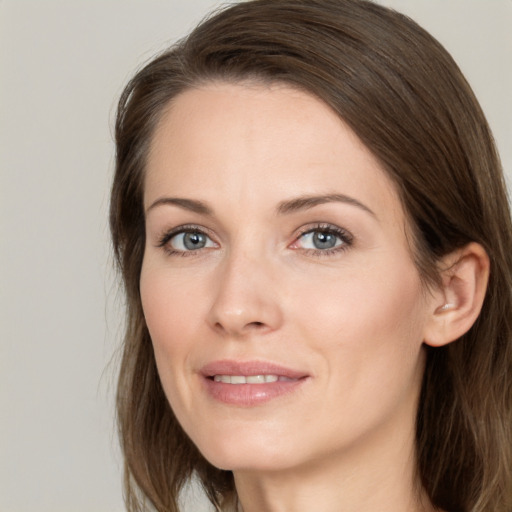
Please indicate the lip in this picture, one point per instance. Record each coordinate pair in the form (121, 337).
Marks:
(249, 395)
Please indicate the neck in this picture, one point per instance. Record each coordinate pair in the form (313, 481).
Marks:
(375, 475)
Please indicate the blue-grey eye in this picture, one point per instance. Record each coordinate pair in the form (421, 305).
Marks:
(190, 241)
(320, 240)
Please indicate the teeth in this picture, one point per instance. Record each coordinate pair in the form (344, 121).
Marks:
(249, 379)
(255, 379)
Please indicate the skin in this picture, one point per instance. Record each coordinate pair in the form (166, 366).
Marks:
(353, 319)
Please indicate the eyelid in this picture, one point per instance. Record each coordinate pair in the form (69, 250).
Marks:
(344, 235)
(169, 234)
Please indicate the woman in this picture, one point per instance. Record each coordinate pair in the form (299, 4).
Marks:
(312, 226)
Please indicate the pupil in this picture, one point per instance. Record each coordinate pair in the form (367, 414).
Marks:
(322, 240)
(194, 240)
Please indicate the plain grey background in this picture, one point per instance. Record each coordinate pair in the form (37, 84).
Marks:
(62, 66)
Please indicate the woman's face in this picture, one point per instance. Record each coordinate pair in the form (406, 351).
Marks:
(286, 313)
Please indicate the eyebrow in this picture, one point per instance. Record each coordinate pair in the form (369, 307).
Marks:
(187, 204)
(285, 207)
(306, 202)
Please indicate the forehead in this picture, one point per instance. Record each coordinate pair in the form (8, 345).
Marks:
(252, 141)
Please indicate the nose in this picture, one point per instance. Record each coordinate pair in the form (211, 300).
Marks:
(246, 298)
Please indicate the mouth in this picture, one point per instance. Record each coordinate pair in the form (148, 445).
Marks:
(246, 384)
(251, 379)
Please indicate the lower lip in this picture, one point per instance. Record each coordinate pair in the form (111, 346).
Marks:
(248, 395)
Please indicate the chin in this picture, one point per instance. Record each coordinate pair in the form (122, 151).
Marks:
(234, 452)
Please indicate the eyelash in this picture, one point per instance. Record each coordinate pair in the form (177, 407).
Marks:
(169, 235)
(345, 237)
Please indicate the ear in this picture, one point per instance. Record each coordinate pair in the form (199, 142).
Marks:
(458, 302)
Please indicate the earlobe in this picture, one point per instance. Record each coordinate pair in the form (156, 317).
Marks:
(459, 300)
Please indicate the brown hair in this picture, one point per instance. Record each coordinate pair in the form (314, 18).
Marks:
(406, 99)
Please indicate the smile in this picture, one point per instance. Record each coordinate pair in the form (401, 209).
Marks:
(250, 383)
(251, 379)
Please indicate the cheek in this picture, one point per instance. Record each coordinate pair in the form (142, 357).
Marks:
(381, 292)
(372, 318)
(170, 310)
(366, 335)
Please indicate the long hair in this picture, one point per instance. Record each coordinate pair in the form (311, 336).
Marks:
(406, 99)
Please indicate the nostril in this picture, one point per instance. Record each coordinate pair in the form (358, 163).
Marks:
(240, 329)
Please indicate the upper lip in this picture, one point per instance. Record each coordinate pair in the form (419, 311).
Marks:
(231, 367)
